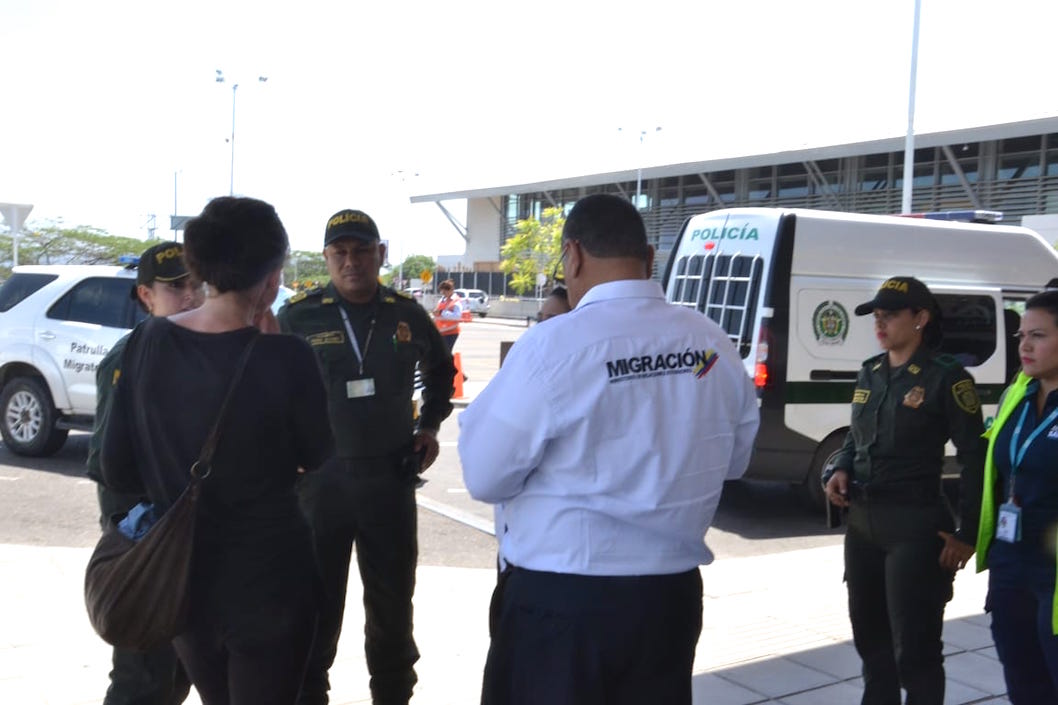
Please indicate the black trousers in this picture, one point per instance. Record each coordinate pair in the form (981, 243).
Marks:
(565, 639)
(152, 677)
(897, 593)
(254, 658)
(370, 506)
(1021, 628)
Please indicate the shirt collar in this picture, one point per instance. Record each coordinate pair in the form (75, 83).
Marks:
(622, 289)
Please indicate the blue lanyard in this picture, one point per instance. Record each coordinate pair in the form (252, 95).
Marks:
(1018, 454)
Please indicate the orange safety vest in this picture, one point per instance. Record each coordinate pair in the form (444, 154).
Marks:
(447, 326)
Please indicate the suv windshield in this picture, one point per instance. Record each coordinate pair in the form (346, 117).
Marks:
(20, 286)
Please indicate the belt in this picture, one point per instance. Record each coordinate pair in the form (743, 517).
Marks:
(894, 492)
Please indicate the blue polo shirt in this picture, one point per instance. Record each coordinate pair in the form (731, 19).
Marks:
(1036, 489)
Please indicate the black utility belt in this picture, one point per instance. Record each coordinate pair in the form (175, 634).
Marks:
(404, 463)
(894, 492)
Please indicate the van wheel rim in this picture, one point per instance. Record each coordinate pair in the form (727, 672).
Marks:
(24, 417)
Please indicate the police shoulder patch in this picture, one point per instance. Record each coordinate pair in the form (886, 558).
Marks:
(965, 394)
(304, 294)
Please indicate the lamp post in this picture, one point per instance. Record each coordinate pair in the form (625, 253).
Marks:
(15, 215)
(234, 89)
(639, 160)
(909, 140)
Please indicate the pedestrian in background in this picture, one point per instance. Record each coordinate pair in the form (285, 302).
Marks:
(448, 313)
(253, 584)
(605, 438)
(163, 287)
(368, 340)
(556, 303)
(901, 546)
(1019, 515)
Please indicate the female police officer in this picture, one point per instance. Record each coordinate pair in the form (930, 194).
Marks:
(900, 552)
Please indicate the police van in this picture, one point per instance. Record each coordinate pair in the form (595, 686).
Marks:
(784, 283)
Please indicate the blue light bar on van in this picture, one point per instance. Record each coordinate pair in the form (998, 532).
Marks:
(967, 216)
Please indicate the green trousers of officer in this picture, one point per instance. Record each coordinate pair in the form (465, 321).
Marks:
(897, 593)
(372, 506)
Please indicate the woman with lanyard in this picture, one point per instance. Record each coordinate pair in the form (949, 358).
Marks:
(1019, 513)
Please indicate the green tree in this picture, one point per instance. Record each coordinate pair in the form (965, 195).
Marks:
(304, 266)
(55, 244)
(411, 268)
(535, 247)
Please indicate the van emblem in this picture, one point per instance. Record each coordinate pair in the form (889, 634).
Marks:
(830, 323)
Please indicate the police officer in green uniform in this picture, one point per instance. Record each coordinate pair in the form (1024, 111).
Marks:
(163, 287)
(368, 340)
(901, 546)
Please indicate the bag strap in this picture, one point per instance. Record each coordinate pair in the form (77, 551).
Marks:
(205, 458)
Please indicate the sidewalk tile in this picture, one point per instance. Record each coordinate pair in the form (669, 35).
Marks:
(776, 677)
(965, 635)
(976, 671)
(838, 660)
(709, 689)
(842, 693)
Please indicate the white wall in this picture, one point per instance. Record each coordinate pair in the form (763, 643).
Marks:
(484, 230)
(1045, 225)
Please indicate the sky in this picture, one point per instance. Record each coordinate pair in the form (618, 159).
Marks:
(111, 115)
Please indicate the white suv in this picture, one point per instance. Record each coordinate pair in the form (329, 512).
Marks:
(56, 324)
(474, 300)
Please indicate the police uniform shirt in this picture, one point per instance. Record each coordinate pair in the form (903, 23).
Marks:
(378, 424)
(607, 434)
(901, 420)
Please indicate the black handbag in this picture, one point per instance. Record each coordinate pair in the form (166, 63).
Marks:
(137, 592)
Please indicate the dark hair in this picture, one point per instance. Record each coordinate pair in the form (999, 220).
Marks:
(560, 292)
(447, 284)
(607, 226)
(234, 243)
(933, 333)
(1045, 300)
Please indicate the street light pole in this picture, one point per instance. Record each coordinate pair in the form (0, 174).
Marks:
(909, 140)
(639, 160)
(231, 176)
(234, 89)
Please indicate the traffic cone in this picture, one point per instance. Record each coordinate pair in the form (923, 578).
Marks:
(466, 317)
(458, 381)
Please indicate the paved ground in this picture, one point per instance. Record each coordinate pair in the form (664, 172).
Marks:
(775, 630)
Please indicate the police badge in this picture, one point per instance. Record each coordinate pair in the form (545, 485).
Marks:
(403, 333)
(830, 323)
(914, 397)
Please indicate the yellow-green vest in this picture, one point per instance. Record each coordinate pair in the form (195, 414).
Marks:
(986, 530)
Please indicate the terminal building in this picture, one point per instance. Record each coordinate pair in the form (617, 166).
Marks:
(1010, 167)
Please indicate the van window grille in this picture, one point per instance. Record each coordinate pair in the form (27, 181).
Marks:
(723, 287)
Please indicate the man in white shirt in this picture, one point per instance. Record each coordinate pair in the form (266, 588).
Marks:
(605, 438)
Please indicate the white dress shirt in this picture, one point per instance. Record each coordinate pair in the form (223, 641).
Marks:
(607, 434)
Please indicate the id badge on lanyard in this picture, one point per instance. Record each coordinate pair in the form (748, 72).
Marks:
(1008, 521)
(364, 386)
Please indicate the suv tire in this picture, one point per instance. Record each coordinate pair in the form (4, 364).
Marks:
(812, 488)
(28, 418)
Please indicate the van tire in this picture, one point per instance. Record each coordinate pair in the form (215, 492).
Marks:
(812, 488)
(27, 418)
